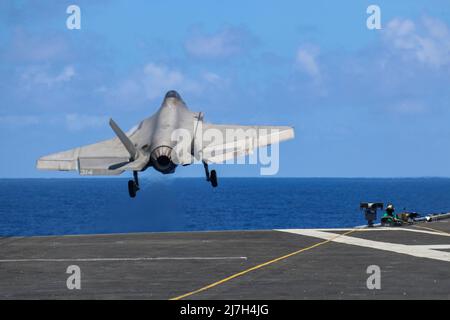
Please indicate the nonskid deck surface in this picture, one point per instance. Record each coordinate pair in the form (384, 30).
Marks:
(414, 263)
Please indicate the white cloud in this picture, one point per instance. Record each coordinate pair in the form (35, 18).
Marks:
(215, 79)
(160, 78)
(79, 122)
(427, 42)
(306, 61)
(19, 121)
(71, 121)
(409, 107)
(225, 43)
(29, 47)
(40, 76)
(153, 80)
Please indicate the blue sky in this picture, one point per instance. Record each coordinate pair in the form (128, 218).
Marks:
(365, 103)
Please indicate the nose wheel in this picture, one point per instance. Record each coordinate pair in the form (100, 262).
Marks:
(210, 177)
(133, 185)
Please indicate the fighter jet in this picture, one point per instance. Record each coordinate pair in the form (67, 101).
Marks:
(173, 136)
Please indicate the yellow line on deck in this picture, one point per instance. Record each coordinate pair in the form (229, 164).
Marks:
(259, 266)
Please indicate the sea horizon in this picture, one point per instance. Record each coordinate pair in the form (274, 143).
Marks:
(59, 206)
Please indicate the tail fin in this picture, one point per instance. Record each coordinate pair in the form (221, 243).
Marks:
(124, 139)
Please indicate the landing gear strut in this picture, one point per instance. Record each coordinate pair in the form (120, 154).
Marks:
(210, 177)
(133, 185)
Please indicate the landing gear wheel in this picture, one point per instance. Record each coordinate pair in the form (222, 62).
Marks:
(213, 178)
(132, 188)
(133, 185)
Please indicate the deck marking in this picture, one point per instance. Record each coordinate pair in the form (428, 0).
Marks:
(259, 266)
(433, 232)
(121, 259)
(433, 246)
(420, 252)
(432, 229)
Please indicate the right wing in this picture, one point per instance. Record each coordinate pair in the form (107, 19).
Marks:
(102, 158)
(109, 157)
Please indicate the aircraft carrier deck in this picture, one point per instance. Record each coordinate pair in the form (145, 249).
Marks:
(273, 264)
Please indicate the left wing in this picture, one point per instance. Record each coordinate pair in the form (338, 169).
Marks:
(224, 142)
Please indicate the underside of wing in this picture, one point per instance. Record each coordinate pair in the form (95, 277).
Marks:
(102, 158)
(108, 157)
(224, 142)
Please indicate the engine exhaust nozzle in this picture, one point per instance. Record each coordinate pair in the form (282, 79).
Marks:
(161, 159)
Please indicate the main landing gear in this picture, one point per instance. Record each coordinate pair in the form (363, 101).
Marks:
(133, 185)
(211, 177)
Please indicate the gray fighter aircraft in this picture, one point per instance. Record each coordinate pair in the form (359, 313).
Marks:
(172, 136)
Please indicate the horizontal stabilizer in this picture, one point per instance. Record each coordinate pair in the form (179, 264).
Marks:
(128, 144)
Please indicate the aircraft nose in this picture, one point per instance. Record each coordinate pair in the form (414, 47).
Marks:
(173, 94)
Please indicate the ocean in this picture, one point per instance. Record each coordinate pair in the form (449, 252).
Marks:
(88, 205)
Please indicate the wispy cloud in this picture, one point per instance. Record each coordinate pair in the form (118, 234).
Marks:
(79, 122)
(19, 121)
(157, 78)
(153, 79)
(38, 75)
(307, 61)
(426, 41)
(71, 121)
(404, 72)
(33, 48)
(227, 42)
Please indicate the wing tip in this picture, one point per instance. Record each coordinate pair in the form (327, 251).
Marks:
(292, 132)
(58, 165)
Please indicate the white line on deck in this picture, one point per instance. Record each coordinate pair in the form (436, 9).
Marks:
(433, 246)
(360, 229)
(422, 252)
(121, 259)
(442, 234)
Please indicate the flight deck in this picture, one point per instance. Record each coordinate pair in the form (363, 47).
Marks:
(414, 263)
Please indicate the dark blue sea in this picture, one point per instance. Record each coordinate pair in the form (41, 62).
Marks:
(82, 206)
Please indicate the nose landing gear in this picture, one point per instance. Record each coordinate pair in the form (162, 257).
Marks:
(210, 177)
(133, 185)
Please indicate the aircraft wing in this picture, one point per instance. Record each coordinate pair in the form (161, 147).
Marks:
(109, 157)
(102, 158)
(239, 141)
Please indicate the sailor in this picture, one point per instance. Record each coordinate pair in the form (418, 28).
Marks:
(390, 210)
(389, 218)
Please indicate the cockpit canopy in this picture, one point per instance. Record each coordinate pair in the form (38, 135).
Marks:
(173, 94)
(173, 98)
